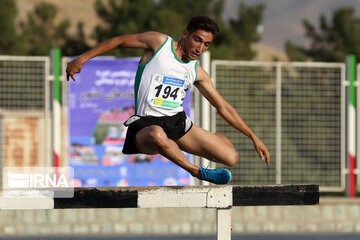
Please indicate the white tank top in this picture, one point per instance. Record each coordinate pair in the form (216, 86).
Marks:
(161, 83)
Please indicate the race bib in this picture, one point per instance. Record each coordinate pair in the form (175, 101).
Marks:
(166, 92)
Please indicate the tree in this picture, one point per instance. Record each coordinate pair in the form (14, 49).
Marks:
(9, 41)
(125, 17)
(40, 33)
(332, 40)
(75, 45)
(250, 17)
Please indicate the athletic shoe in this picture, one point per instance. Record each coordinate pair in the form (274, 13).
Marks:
(217, 176)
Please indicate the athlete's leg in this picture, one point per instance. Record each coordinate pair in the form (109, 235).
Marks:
(153, 140)
(209, 145)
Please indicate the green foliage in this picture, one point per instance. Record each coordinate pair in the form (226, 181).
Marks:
(332, 40)
(40, 32)
(9, 41)
(250, 17)
(294, 52)
(123, 17)
(75, 45)
(171, 17)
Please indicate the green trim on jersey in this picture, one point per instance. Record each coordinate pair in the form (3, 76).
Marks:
(195, 71)
(176, 57)
(143, 64)
(139, 72)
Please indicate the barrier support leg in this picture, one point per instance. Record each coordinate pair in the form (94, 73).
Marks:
(223, 218)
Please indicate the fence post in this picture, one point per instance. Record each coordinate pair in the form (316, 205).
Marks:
(351, 129)
(357, 85)
(56, 134)
(278, 123)
(205, 105)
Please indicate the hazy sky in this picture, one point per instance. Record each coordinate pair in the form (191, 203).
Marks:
(283, 18)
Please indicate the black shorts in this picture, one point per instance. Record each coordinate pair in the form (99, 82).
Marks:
(174, 126)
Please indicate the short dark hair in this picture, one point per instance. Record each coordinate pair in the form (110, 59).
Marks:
(203, 23)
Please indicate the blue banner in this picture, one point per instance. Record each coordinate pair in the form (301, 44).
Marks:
(100, 100)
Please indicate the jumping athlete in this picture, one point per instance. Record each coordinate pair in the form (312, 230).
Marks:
(167, 69)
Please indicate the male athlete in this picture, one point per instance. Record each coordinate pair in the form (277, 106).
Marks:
(167, 69)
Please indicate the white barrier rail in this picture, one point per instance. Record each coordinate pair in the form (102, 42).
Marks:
(223, 198)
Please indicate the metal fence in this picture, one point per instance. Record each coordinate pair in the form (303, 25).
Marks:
(25, 135)
(297, 109)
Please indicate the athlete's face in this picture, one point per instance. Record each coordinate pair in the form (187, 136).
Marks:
(196, 43)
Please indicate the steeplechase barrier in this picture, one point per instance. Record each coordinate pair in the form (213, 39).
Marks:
(223, 198)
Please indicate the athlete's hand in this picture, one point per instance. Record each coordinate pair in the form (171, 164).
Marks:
(73, 67)
(261, 149)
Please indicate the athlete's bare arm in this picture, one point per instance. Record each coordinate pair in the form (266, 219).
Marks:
(228, 112)
(149, 41)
